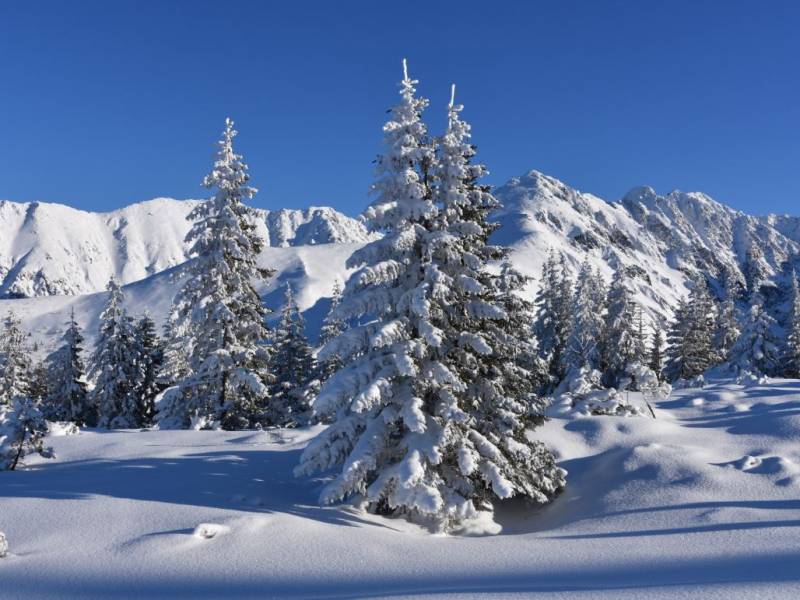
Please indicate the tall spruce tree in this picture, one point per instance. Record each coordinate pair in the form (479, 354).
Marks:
(757, 349)
(332, 327)
(68, 399)
(691, 335)
(583, 344)
(791, 355)
(151, 354)
(218, 313)
(116, 366)
(15, 361)
(292, 368)
(726, 329)
(434, 400)
(553, 323)
(619, 334)
(656, 362)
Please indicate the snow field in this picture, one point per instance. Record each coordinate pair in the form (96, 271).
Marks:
(701, 502)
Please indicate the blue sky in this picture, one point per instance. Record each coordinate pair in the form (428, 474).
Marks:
(107, 103)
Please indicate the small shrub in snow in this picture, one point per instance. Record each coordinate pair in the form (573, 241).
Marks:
(22, 432)
(3, 545)
(584, 394)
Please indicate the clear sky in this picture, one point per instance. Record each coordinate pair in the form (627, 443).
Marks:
(107, 103)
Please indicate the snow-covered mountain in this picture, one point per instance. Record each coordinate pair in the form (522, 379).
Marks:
(51, 249)
(661, 241)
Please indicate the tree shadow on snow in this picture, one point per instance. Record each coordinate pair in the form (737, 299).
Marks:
(249, 481)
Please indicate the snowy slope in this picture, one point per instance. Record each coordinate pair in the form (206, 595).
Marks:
(660, 241)
(701, 502)
(51, 249)
(311, 271)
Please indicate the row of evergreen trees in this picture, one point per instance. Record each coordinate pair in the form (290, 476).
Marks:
(582, 324)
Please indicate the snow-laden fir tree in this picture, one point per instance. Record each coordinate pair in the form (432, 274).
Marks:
(791, 355)
(588, 300)
(68, 399)
(726, 329)
(640, 337)
(117, 366)
(332, 327)
(553, 322)
(15, 361)
(175, 359)
(292, 367)
(619, 334)
(434, 401)
(151, 354)
(691, 335)
(757, 350)
(22, 432)
(756, 270)
(656, 361)
(218, 313)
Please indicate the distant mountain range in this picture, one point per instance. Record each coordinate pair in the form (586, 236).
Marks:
(49, 250)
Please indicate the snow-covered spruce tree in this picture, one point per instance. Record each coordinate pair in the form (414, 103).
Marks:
(434, 401)
(175, 358)
(292, 367)
(756, 270)
(756, 351)
(791, 354)
(218, 314)
(332, 327)
(691, 335)
(553, 322)
(583, 344)
(619, 334)
(22, 432)
(726, 329)
(151, 354)
(15, 361)
(68, 399)
(656, 362)
(117, 366)
(640, 338)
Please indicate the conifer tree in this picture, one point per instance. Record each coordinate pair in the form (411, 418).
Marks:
(792, 350)
(68, 399)
(655, 362)
(332, 327)
(583, 344)
(726, 330)
(434, 399)
(292, 367)
(619, 335)
(15, 362)
(151, 355)
(218, 314)
(553, 323)
(22, 432)
(691, 336)
(756, 351)
(117, 367)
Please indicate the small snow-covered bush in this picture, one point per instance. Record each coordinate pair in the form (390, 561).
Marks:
(3, 545)
(694, 382)
(584, 394)
(22, 432)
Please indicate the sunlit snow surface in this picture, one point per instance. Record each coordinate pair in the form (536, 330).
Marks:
(702, 502)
